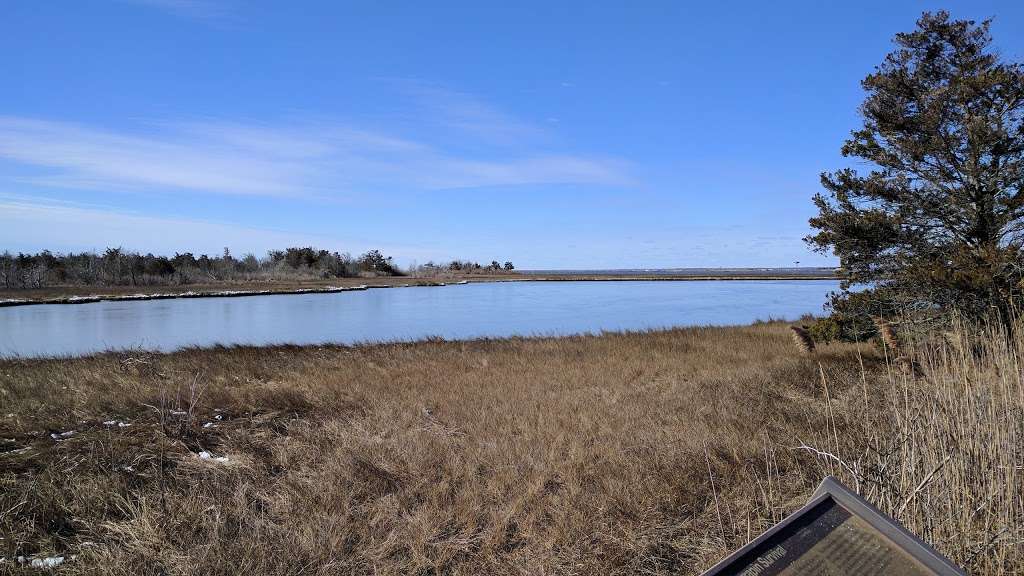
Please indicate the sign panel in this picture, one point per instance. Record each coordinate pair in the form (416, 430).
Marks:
(836, 533)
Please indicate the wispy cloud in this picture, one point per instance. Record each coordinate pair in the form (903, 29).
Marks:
(287, 159)
(458, 111)
(29, 223)
(86, 157)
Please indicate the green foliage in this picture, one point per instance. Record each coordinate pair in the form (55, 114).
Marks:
(375, 262)
(842, 326)
(938, 219)
(825, 330)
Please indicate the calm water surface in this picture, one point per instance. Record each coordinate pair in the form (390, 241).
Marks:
(452, 312)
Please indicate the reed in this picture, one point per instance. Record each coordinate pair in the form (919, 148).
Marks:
(888, 336)
(654, 453)
(802, 339)
(941, 448)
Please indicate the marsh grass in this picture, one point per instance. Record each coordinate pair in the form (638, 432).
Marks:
(941, 447)
(802, 339)
(651, 453)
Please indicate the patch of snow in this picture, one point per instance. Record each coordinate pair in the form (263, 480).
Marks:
(110, 423)
(204, 455)
(63, 435)
(49, 562)
(208, 425)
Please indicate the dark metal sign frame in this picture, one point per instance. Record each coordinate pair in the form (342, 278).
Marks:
(832, 489)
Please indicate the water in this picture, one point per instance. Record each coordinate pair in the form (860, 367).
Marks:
(452, 312)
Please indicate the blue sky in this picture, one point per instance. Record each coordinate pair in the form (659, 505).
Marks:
(553, 134)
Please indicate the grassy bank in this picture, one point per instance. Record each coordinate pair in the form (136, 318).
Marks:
(650, 453)
(83, 294)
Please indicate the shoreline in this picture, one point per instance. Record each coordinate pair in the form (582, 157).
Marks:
(413, 283)
(204, 294)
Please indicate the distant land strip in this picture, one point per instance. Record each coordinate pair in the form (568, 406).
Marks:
(57, 295)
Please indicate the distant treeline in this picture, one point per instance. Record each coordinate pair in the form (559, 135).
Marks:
(118, 267)
(462, 267)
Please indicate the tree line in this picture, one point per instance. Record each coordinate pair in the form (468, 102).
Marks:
(463, 267)
(119, 267)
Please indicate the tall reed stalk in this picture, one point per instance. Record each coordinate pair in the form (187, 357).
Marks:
(942, 449)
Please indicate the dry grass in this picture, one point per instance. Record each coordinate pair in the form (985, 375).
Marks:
(574, 455)
(58, 292)
(941, 448)
(802, 339)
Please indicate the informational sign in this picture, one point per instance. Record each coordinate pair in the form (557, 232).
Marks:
(836, 533)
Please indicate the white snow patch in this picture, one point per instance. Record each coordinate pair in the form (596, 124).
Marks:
(204, 455)
(63, 435)
(118, 423)
(48, 562)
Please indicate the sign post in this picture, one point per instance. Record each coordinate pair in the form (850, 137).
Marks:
(836, 533)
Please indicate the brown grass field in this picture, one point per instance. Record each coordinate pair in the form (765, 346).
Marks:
(642, 453)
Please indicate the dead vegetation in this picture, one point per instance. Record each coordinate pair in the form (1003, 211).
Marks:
(802, 339)
(652, 453)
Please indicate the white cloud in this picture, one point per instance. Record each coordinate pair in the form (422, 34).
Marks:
(464, 113)
(87, 157)
(296, 159)
(29, 224)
